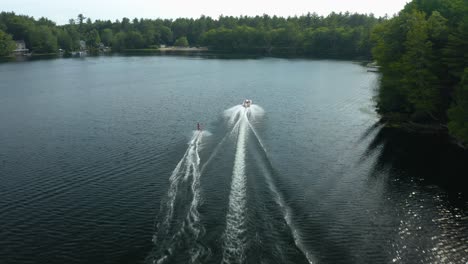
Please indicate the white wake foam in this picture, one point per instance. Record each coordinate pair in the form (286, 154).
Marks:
(191, 170)
(234, 113)
(256, 111)
(233, 251)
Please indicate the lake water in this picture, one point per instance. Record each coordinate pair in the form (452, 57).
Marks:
(100, 163)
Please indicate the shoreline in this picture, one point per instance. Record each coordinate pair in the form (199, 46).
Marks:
(184, 49)
(191, 51)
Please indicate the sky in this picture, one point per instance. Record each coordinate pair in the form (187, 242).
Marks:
(61, 11)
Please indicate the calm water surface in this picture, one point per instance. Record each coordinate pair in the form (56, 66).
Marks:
(100, 163)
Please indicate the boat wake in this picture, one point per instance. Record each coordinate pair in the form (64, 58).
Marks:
(234, 246)
(285, 209)
(173, 230)
(180, 234)
(235, 219)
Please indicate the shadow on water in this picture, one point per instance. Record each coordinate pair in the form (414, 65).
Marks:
(431, 158)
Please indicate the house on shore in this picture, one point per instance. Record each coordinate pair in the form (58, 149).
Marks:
(103, 48)
(82, 51)
(20, 49)
(82, 45)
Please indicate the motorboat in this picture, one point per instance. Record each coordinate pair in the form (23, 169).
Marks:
(247, 103)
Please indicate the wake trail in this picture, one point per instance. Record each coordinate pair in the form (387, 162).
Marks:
(234, 248)
(286, 210)
(193, 218)
(258, 140)
(181, 173)
(174, 180)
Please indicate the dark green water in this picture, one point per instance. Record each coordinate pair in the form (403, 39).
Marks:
(99, 163)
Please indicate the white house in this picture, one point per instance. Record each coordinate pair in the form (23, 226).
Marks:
(20, 47)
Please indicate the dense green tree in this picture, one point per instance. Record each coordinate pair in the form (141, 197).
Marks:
(286, 39)
(106, 36)
(74, 35)
(81, 19)
(93, 39)
(197, 28)
(18, 27)
(181, 42)
(125, 25)
(64, 40)
(149, 31)
(458, 112)
(42, 40)
(455, 52)
(128, 40)
(346, 34)
(166, 35)
(389, 38)
(418, 80)
(423, 59)
(134, 40)
(45, 22)
(180, 27)
(118, 42)
(220, 39)
(332, 36)
(7, 45)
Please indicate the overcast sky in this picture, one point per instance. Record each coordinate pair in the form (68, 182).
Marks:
(62, 11)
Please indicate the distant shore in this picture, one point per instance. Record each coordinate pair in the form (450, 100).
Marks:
(189, 49)
(170, 49)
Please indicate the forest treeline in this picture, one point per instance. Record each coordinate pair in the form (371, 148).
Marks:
(423, 57)
(338, 35)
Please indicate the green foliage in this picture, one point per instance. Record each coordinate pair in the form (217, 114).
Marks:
(437, 24)
(335, 42)
(93, 39)
(166, 35)
(180, 27)
(127, 40)
(455, 53)
(149, 31)
(72, 32)
(19, 27)
(418, 81)
(107, 36)
(181, 42)
(118, 42)
(458, 112)
(335, 36)
(7, 45)
(80, 19)
(134, 40)
(287, 39)
(423, 57)
(42, 40)
(238, 39)
(65, 41)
